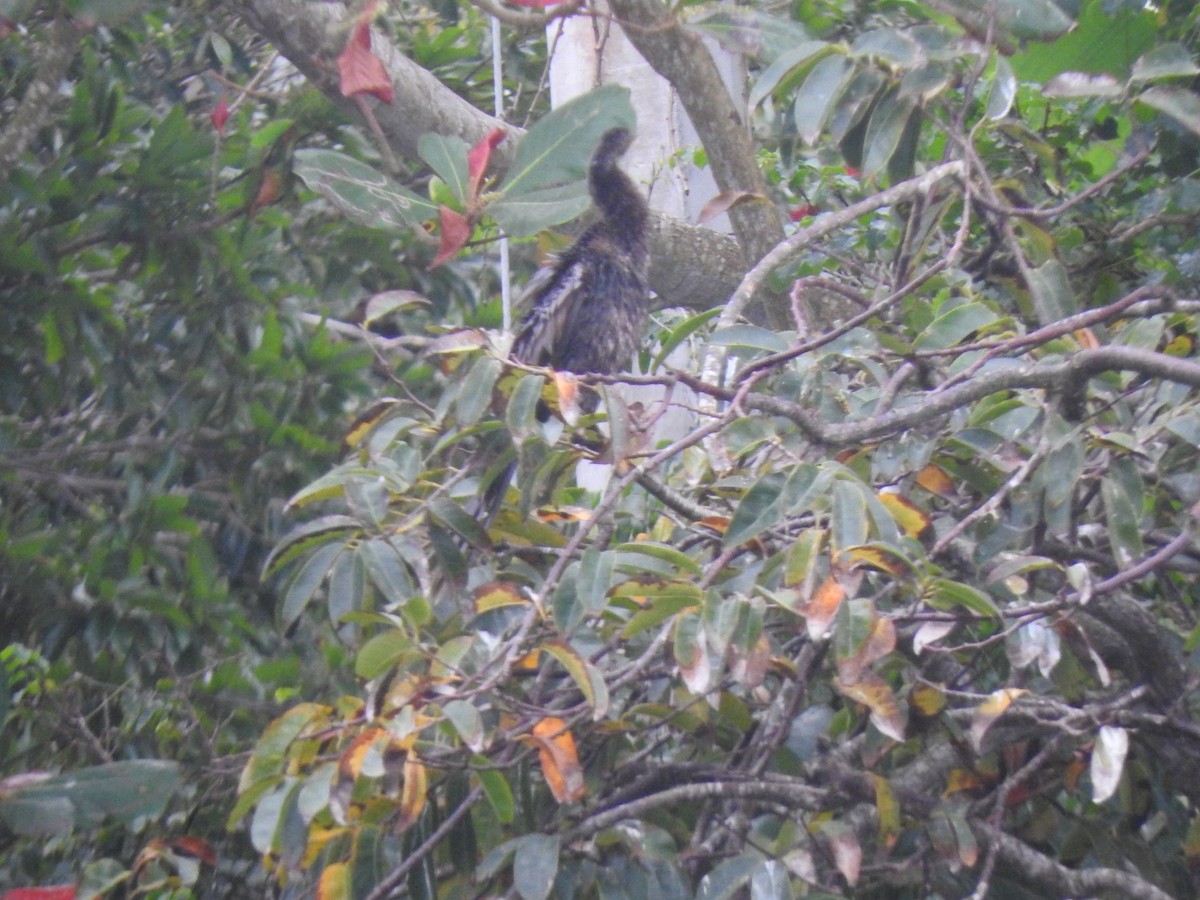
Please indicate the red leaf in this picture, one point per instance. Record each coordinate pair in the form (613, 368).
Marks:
(61, 892)
(361, 71)
(477, 160)
(802, 212)
(220, 115)
(455, 232)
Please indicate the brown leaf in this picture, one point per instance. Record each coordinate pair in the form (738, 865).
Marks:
(725, 201)
(360, 70)
(875, 693)
(456, 231)
(823, 606)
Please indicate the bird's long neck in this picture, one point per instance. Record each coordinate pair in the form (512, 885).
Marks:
(620, 203)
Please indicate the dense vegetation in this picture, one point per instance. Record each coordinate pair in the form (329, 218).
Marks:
(903, 603)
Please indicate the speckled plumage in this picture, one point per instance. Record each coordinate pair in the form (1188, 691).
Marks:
(588, 315)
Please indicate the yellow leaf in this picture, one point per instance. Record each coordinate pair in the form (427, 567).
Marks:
(989, 711)
(413, 791)
(889, 811)
(334, 883)
(907, 514)
(497, 594)
(927, 699)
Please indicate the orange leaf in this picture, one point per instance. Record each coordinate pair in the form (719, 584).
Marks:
(477, 160)
(935, 480)
(874, 693)
(823, 606)
(456, 231)
(567, 388)
(361, 71)
(1087, 338)
(560, 762)
(413, 792)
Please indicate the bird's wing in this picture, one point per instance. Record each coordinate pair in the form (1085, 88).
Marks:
(542, 328)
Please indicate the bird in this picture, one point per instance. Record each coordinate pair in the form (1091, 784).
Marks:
(587, 315)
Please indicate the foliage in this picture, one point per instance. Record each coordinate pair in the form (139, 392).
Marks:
(905, 607)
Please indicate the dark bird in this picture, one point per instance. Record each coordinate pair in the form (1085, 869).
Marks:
(587, 315)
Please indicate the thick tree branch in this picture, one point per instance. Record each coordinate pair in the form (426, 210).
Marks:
(691, 267)
(682, 58)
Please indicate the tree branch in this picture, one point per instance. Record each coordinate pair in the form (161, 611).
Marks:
(696, 268)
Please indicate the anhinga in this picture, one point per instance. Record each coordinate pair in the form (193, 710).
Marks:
(587, 316)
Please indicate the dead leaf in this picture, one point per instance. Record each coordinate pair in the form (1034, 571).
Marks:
(560, 762)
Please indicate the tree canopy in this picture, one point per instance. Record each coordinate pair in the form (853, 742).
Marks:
(891, 589)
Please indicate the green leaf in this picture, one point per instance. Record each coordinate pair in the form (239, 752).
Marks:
(535, 864)
(815, 100)
(557, 149)
(750, 32)
(773, 75)
(947, 595)
(751, 337)
(475, 393)
(387, 569)
(727, 879)
(662, 552)
(496, 788)
(1003, 90)
(523, 214)
(1164, 61)
(661, 607)
(270, 752)
(595, 579)
(680, 333)
(888, 121)
(771, 498)
(891, 45)
(347, 587)
(586, 676)
(307, 536)
(1050, 290)
(124, 790)
(306, 581)
(954, 325)
(467, 722)
(520, 416)
(359, 191)
(1121, 514)
(447, 156)
(848, 525)
(382, 652)
(1179, 103)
